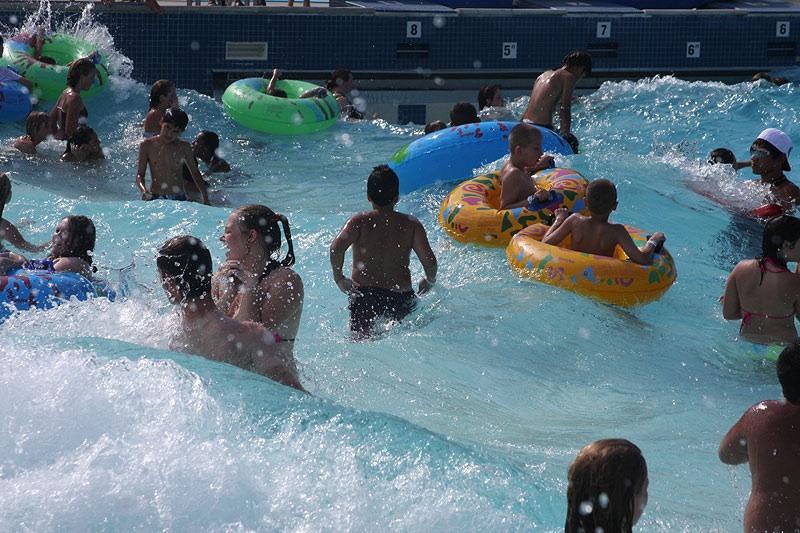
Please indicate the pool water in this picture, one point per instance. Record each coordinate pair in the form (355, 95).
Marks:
(462, 418)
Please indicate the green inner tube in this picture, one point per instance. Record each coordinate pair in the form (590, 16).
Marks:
(50, 80)
(246, 102)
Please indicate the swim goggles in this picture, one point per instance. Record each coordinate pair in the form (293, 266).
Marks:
(759, 153)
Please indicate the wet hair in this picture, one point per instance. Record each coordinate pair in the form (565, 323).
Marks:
(383, 186)
(761, 76)
(338, 76)
(176, 117)
(523, 135)
(463, 113)
(603, 482)
(186, 260)
(779, 80)
(278, 93)
(5, 192)
(210, 139)
(436, 125)
(788, 368)
(79, 68)
(35, 121)
(264, 221)
(579, 58)
(601, 195)
(778, 230)
(159, 89)
(721, 155)
(81, 240)
(83, 135)
(485, 95)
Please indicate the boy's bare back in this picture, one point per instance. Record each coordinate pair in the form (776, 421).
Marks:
(166, 160)
(382, 249)
(547, 92)
(768, 437)
(244, 344)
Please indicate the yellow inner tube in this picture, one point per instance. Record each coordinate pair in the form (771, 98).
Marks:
(616, 280)
(471, 214)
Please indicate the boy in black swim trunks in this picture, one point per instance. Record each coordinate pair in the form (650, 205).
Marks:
(382, 241)
(166, 154)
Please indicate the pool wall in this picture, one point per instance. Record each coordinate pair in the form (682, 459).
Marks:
(203, 48)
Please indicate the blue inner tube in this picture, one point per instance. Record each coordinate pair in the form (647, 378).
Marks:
(22, 289)
(453, 153)
(15, 102)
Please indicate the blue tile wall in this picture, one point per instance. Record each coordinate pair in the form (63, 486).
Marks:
(319, 40)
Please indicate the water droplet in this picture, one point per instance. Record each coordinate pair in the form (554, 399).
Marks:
(195, 46)
(586, 508)
(603, 500)
(438, 21)
(477, 64)
(438, 81)
(13, 19)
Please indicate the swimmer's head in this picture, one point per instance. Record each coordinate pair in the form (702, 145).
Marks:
(341, 80)
(81, 74)
(205, 145)
(383, 186)
(789, 372)
(601, 197)
(436, 125)
(74, 237)
(607, 487)
(523, 135)
(162, 93)
(184, 264)
(781, 235)
(777, 143)
(779, 80)
(257, 225)
(37, 125)
(721, 155)
(578, 59)
(84, 144)
(463, 113)
(490, 96)
(761, 76)
(174, 122)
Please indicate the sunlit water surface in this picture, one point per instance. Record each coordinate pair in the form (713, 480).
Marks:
(464, 417)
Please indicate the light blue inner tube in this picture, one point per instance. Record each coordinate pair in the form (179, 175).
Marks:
(453, 153)
(15, 102)
(22, 289)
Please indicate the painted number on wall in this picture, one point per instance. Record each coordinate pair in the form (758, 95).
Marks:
(603, 30)
(509, 51)
(782, 29)
(413, 29)
(693, 50)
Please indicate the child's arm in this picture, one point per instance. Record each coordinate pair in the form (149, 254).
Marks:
(561, 228)
(742, 164)
(643, 255)
(731, 307)
(197, 178)
(565, 111)
(516, 188)
(10, 233)
(276, 75)
(141, 171)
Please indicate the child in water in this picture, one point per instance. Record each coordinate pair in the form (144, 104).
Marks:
(595, 234)
(607, 487)
(8, 231)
